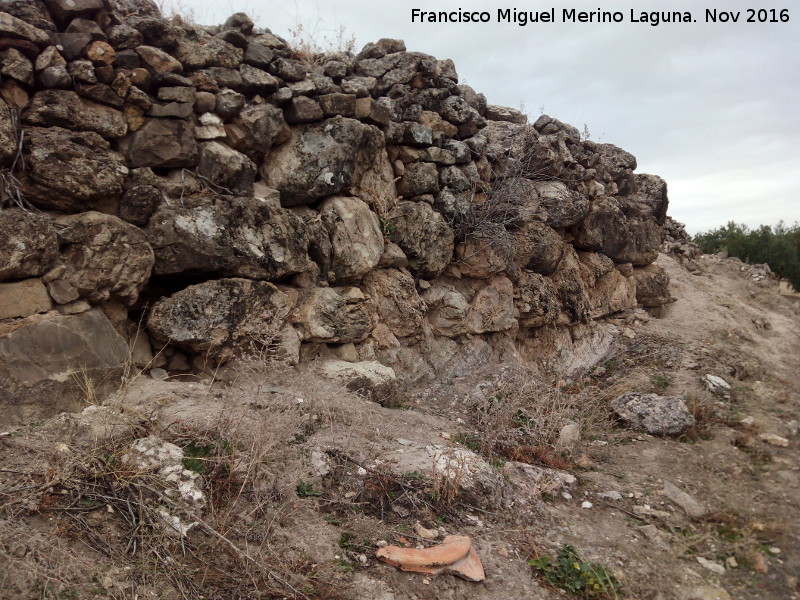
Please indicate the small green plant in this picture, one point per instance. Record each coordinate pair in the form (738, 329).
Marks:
(470, 440)
(579, 578)
(196, 456)
(306, 490)
(660, 382)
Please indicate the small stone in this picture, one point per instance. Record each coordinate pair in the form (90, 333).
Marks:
(731, 563)
(204, 102)
(717, 385)
(101, 53)
(610, 495)
(55, 77)
(712, 566)
(773, 439)
(688, 504)
(586, 504)
(759, 562)
(774, 550)
(159, 374)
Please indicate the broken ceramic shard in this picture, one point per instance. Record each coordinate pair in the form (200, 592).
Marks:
(455, 555)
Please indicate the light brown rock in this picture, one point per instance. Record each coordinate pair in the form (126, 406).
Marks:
(23, 298)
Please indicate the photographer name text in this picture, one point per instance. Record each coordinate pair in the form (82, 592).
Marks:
(572, 15)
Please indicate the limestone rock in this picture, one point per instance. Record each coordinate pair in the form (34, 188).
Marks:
(8, 137)
(235, 236)
(18, 29)
(23, 299)
(651, 190)
(68, 170)
(536, 299)
(622, 235)
(492, 308)
(227, 168)
(538, 247)
(657, 415)
(45, 361)
(105, 257)
(28, 245)
(372, 372)
(159, 61)
(256, 129)
(322, 159)
(333, 315)
(652, 286)
(447, 308)
(480, 258)
(355, 233)
(564, 206)
(423, 235)
(221, 317)
(396, 299)
(686, 502)
(607, 289)
(163, 143)
(64, 108)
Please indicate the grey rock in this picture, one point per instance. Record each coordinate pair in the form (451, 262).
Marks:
(55, 77)
(423, 235)
(257, 55)
(419, 178)
(8, 135)
(256, 81)
(229, 104)
(14, 64)
(18, 29)
(244, 237)
(322, 159)
(355, 234)
(536, 299)
(95, 172)
(65, 108)
(256, 129)
(105, 257)
(333, 315)
(221, 317)
(652, 286)
(28, 244)
(657, 415)
(687, 503)
(614, 228)
(225, 167)
(163, 143)
(303, 110)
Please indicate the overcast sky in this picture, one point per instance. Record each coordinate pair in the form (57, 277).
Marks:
(712, 108)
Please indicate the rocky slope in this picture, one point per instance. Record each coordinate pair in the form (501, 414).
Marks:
(175, 196)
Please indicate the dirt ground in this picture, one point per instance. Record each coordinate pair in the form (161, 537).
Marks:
(304, 479)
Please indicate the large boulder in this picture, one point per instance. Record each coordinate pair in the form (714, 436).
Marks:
(69, 170)
(652, 286)
(256, 129)
(227, 169)
(423, 235)
(564, 206)
(608, 290)
(448, 308)
(163, 143)
(651, 190)
(323, 159)
(572, 293)
(54, 363)
(104, 257)
(538, 247)
(244, 237)
(536, 299)
(64, 108)
(334, 315)
(28, 244)
(657, 415)
(620, 230)
(492, 307)
(396, 299)
(355, 234)
(221, 317)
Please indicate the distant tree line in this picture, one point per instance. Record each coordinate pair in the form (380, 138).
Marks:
(778, 246)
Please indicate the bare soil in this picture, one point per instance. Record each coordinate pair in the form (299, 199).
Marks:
(304, 478)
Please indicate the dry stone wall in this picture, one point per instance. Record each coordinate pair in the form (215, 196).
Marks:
(205, 191)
